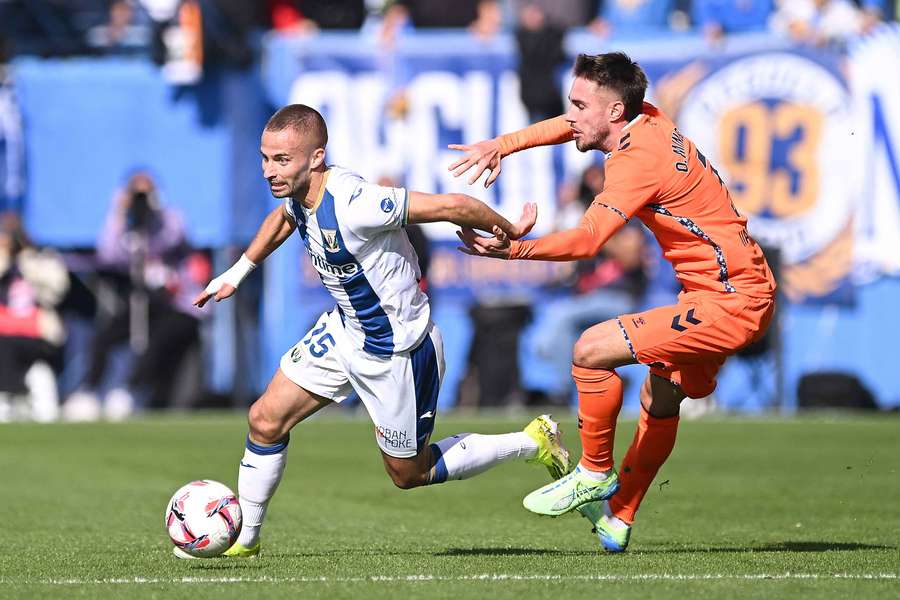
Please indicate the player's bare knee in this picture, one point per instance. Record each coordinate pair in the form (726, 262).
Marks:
(263, 428)
(581, 353)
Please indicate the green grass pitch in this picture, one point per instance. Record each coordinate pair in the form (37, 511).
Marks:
(744, 508)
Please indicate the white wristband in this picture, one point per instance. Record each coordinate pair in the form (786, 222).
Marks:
(233, 276)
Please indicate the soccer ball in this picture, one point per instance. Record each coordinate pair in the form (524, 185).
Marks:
(203, 518)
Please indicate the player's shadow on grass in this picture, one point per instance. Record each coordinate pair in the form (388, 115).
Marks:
(777, 547)
(224, 565)
(511, 552)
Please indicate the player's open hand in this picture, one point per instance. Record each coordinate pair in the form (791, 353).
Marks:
(526, 222)
(216, 290)
(484, 155)
(476, 245)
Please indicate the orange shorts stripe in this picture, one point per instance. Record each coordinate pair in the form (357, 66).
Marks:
(689, 341)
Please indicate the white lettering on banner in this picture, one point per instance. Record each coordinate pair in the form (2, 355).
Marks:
(527, 176)
(778, 127)
(876, 91)
(364, 138)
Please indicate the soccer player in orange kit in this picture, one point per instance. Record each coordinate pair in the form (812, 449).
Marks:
(655, 174)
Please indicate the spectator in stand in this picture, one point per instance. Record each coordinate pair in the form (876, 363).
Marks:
(562, 14)
(609, 284)
(33, 283)
(718, 18)
(309, 16)
(540, 44)
(143, 253)
(126, 31)
(875, 12)
(228, 30)
(481, 17)
(818, 22)
(632, 17)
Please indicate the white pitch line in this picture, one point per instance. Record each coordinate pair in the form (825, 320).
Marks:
(460, 578)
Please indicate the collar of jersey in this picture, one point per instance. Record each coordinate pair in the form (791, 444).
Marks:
(321, 195)
(634, 121)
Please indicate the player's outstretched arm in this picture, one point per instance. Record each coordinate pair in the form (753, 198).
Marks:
(274, 230)
(584, 241)
(487, 154)
(467, 211)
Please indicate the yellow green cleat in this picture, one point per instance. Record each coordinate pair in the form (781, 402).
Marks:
(612, 538)
(239, 551)
(570, 492)
(551, 451)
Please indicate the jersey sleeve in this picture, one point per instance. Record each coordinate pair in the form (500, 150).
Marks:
(632, 181)
(543, 133)
(596, 227)
(373, 208)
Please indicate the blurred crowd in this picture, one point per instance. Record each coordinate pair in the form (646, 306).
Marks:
(229, 30)
(113, 327)
(106, 331)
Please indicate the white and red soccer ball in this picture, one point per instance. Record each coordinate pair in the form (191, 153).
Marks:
(203, 518)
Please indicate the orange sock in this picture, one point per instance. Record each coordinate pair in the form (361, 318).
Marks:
(599, 402)
(652, 444)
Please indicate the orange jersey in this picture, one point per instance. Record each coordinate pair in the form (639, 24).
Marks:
(658, 175)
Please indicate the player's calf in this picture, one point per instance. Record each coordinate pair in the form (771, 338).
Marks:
(408, 473)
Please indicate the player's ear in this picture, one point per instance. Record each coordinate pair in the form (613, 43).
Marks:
(616, 110)
(317, 159)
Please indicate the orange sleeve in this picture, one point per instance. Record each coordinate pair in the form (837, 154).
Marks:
(543, 133)
(631, 182)
(597, 225)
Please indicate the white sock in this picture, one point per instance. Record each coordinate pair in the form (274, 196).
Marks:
(258, 478)
(467, 454)
(598, 475)
(611, 518)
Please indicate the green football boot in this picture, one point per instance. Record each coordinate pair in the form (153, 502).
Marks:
(551, 452)
(570, 492)
(592, 511)
(239, 551)
(612, 538)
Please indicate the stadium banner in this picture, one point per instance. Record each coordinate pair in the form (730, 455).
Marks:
(12, 148)
(784, 125)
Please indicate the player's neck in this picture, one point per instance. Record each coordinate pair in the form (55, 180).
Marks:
(316, 188)
(615, 134)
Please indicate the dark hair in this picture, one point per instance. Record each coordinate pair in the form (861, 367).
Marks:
(617, 72)
(304, 120)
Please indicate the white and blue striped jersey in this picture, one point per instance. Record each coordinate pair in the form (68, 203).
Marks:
(357, 244)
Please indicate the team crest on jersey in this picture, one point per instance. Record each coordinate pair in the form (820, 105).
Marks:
(331, 242)
(387, 205)
(296, 354)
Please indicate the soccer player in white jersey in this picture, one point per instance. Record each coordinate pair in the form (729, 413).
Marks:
(378, 340)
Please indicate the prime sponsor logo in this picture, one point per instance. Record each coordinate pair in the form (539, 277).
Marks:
(324, 267)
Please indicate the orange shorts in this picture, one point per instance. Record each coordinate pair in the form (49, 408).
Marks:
(688, 342)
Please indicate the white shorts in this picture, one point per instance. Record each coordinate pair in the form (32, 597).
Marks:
(400, 392)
